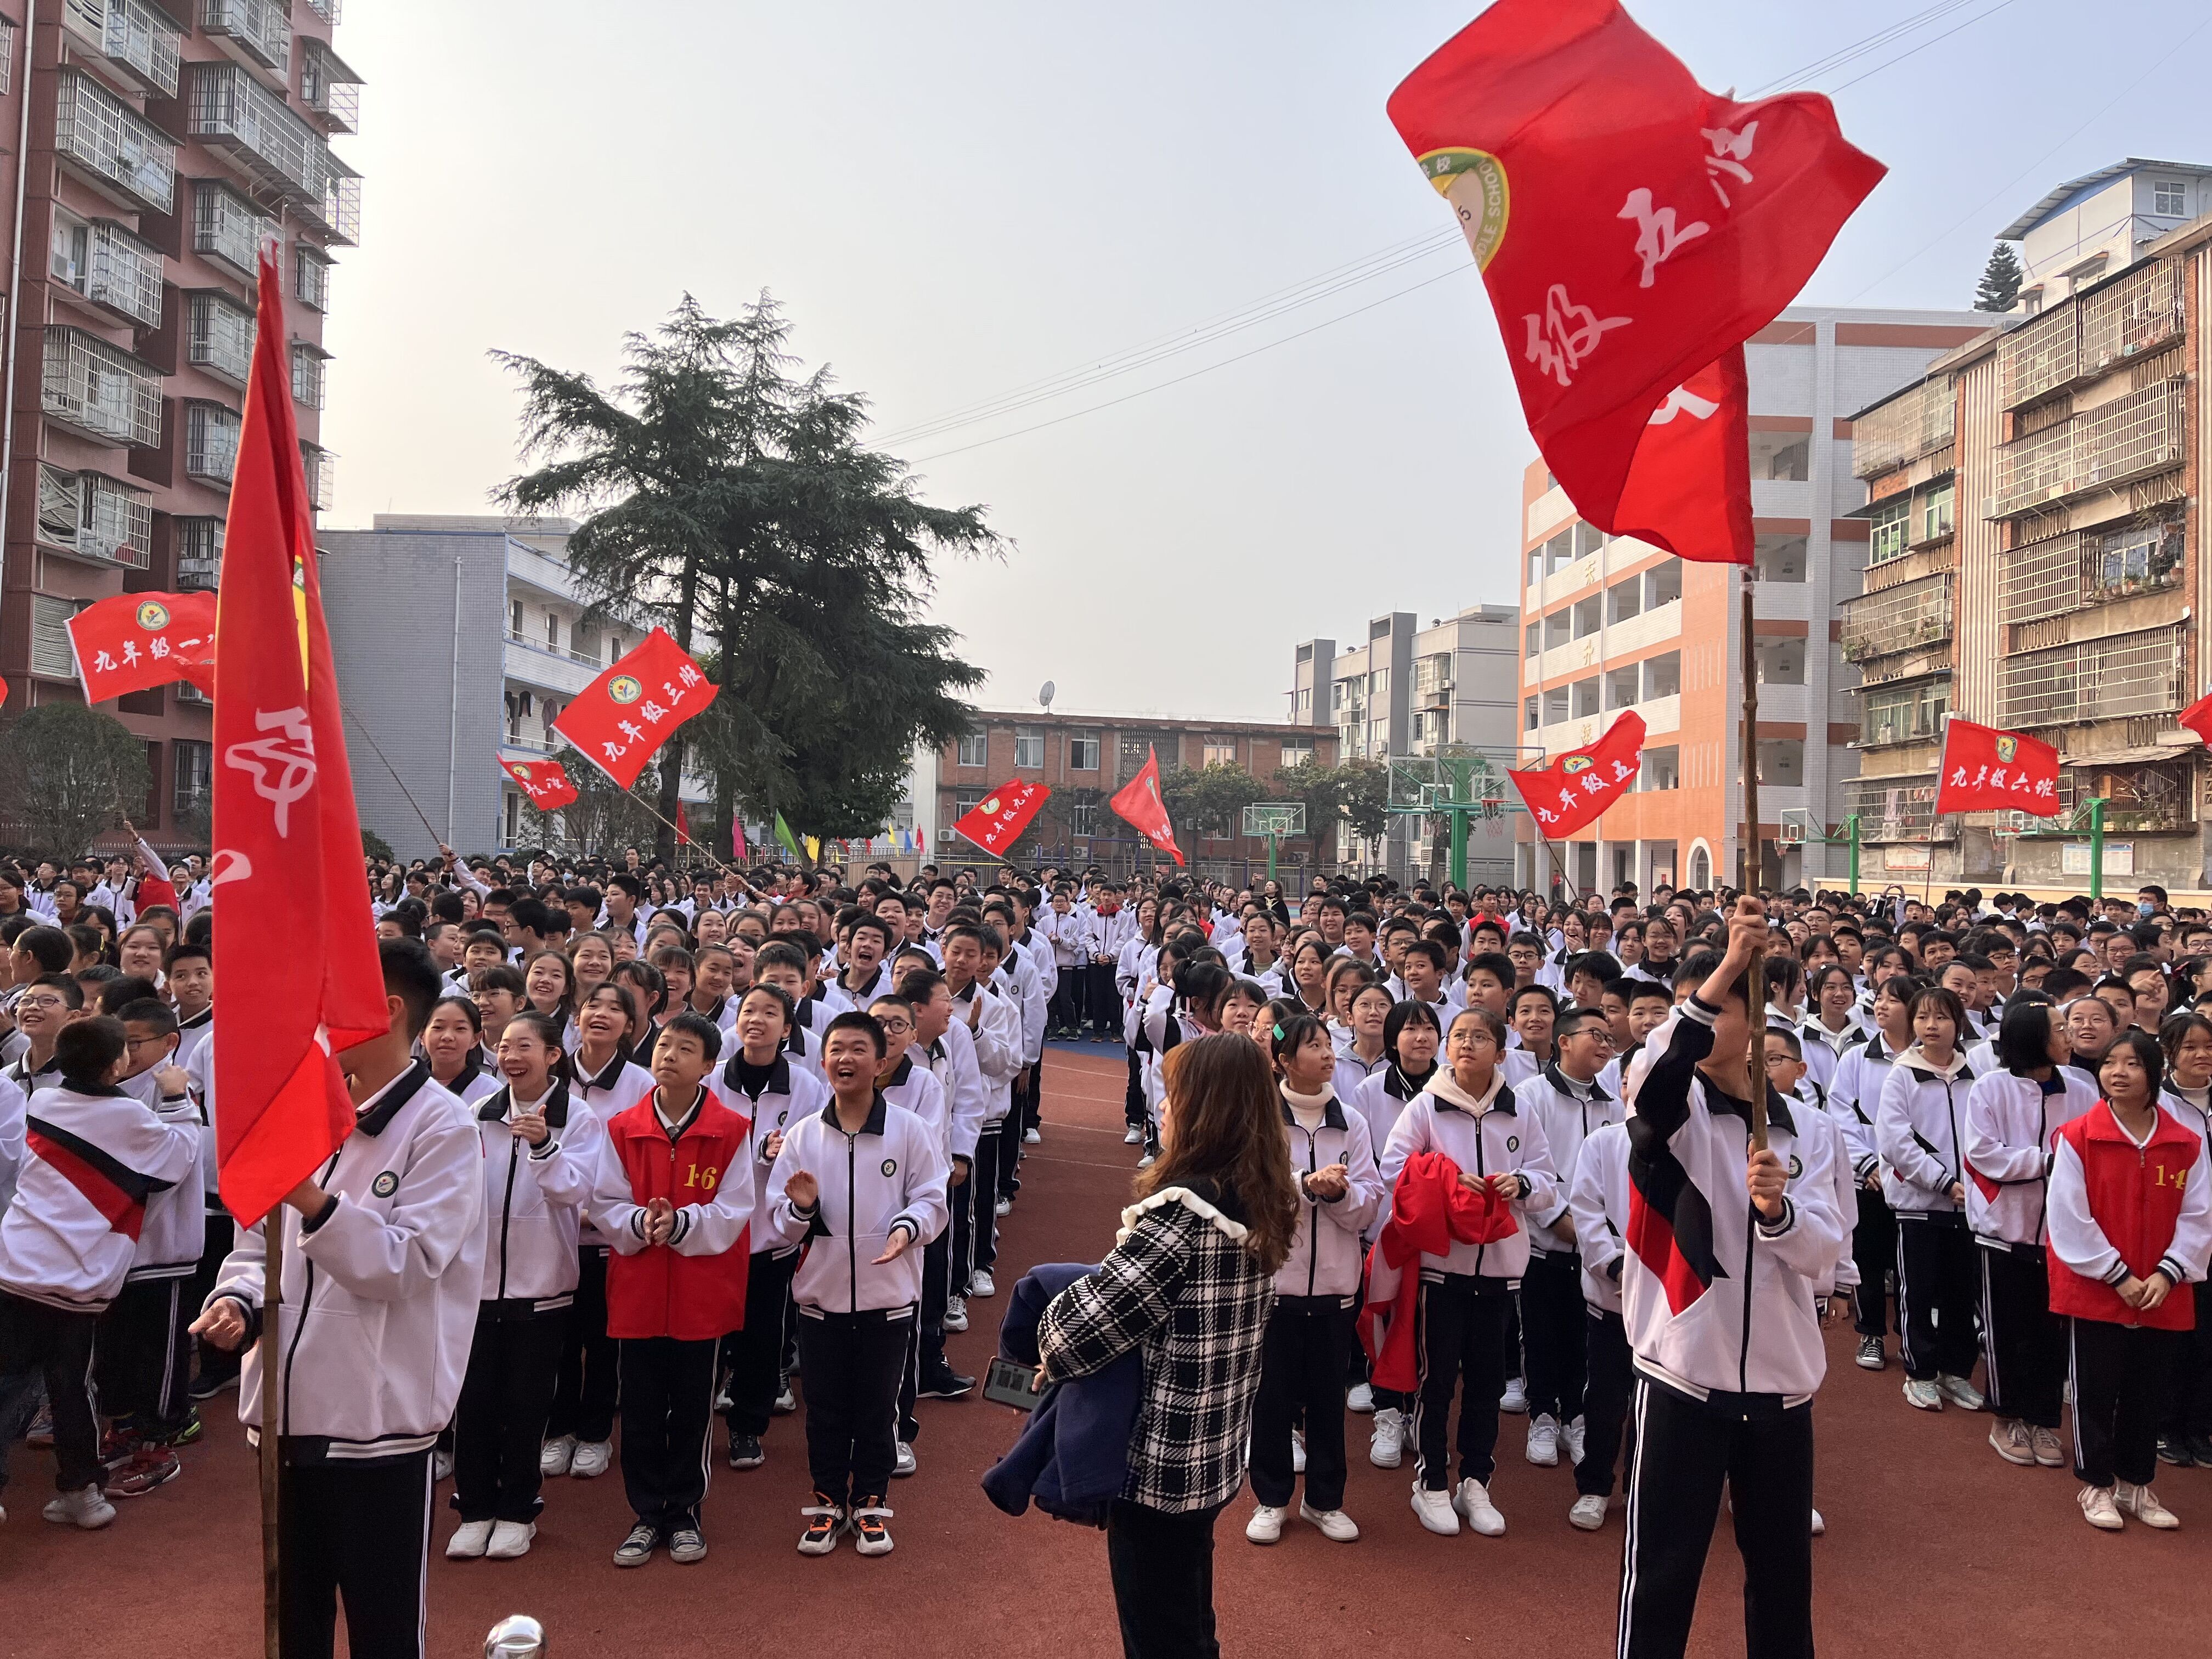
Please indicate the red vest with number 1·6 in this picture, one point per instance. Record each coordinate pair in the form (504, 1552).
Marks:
(2134, 1195)
(658, 1291)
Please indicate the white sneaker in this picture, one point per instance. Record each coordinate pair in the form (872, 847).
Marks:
(2011, 1440)
(2142, 1503)
(1145, 1162)
(787, 1402)
(1360, 1398)
(1925, 1395)
(1134, 1138)
(1032, 1138)
(1266, 1526)
(1544, 1441)
(593, 1459)
(1298, 1452)
(904, 1463)
(1819, 1525)
(1473, 1502)
(554, 1455)
(87, 1507)
(1387, 1445)
(955, 1313)
(1587, 1514)
(441, 1466)
(1335, 1525)
(510, 1540)
(1573, 1437)
(1436, 1510)
(1516, 1397)
(469, 1542)
(1003, 1208)
(2099, 1510)
(1960, 1393)
(981, 1283)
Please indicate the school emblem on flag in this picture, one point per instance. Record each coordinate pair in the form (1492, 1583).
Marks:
(2008, 746)
(153, 616)
(1473, 182)
(623, 689)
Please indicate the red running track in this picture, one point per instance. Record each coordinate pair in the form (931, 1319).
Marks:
(1933, 1543)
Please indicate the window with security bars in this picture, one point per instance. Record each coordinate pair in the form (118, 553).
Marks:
(1906, 618)
(2140, 557)
(2110, 679)
(210, 441)
(101, 389)
(311, 277)
(199, 552)
(97, 131)
(1082, 818)
(1893, 808)
(194, 766)
(51, 656)
(227, 227)
(1903, 714)
(222, 340)
(2128, 438)
(6, 56)
(307, 374)
(1918, 421)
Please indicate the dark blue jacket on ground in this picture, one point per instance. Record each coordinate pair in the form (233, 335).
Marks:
(1072, 1457)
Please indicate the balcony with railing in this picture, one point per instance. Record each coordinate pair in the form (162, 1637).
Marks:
(228, 229)
(2102, 679)
(2063, 574)
(101, 390)
(321, 469)
(137, 41)
(94, 517)
(334, 206)
(329, 87)
(2081, 339)
(1911, 618)
(112, 148)
(257, 32)
(199, 553)
(250, 126)
(328, 10)
(1896, 714)
(122, 273)
(210, 441)
(1919, 420)
(1894, 809)
(221, 337)
(2114, 443)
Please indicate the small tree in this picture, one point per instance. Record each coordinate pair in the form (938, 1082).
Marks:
(1208, 799)
(374, 846)
(602, 818)
(1365, 786)
(2001, 279)
(71, 773)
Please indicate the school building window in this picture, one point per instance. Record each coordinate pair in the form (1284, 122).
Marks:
(975, 749)
(1221, 752)
(1082, 820)
(966, 801)
(1029, 746)
(1297, 751)
(195, 764)
(1082, 750)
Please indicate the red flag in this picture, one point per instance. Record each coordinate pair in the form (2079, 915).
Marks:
(998, 820)
(1630, 227)
(1576, 789)
(2197, 717)
(545, 782)
(619, 720)
(1139, 803)
(738, 834)
(131, 641)
(682, 826)
(1689, 490)
(1985, 769)
(287, 838)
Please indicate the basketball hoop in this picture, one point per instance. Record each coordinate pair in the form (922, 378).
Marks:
(1789, 834)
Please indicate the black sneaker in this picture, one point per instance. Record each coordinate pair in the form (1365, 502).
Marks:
(825, 1521)
(745, 1452)
(2200, 1450)
(947, 1384)
(637, 1549)
(204, 1386)
(2172, 1451)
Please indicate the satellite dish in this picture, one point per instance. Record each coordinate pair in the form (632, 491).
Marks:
(1045, 693)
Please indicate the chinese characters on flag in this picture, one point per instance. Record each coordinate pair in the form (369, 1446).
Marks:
(1138, 803)
(1985, 769)
(545, 782)
(1576, 788)
(1000, 818)
(1633, 230)
(133, 641)
(620, 718)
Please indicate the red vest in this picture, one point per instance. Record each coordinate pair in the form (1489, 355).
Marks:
(2134, 1196)
(658, 1291)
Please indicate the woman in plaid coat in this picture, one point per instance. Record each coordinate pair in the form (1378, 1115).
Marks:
(1189, 1285)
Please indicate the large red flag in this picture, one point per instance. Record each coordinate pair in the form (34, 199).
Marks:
(1139, 802)
(545, 782)
(1985, 769)
(133, 641)
(619, 720)
(287, 838)
(1576, 789)
(1631, 228)
(1689, 488)
(997, 820)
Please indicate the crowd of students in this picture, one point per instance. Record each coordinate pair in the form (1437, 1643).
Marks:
(644, 1149)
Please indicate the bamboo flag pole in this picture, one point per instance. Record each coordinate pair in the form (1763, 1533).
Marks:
(1754, 1003)
(272, 1302)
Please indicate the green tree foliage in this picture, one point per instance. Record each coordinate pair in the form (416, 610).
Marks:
(728, 497)
(375, 847)
(1209, 801)
(602, 818)
(69, 773)
(2001, 279)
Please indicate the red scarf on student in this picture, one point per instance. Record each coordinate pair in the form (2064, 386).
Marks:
(1430, 1211)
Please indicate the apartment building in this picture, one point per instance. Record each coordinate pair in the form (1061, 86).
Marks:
(2064, 603)
(152, 152)
(1415, 691)
(2096, 226)
(1611, 623)
(1085, 758)
(497, 638)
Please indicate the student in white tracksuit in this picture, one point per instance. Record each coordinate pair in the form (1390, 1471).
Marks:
(1597, 1203)
(1853, 1099)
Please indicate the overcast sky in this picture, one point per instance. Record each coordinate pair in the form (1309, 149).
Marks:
(958, 200)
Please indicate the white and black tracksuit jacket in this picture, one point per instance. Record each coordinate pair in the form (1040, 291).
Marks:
(534, 1199)
(791, 1093)
(1326, 1257)
(889, 1177)
(1917, 1132)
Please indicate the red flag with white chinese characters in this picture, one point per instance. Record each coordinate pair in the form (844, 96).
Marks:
(1631, 227)
(1576, 789)
(1138, 803)
(287, 838)
(133, 641)
(619, 720)
(1689, 490)
(1987, 771)
(2197, 717)
(546, 783)
(997, 820)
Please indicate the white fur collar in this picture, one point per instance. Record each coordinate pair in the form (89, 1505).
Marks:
(1234, 1231)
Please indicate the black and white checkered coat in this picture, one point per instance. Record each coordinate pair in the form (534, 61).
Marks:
(1181, 1289)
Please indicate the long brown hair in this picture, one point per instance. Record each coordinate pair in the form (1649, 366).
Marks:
(1228, 1132)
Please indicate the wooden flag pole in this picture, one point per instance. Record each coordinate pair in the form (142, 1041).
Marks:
(272, 1302)
(1754, 1007)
